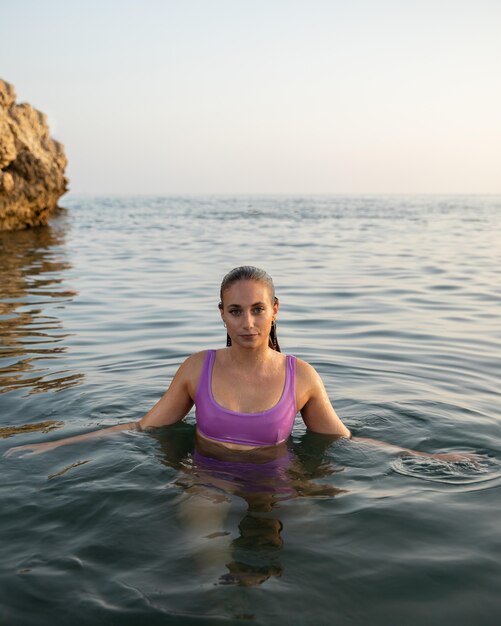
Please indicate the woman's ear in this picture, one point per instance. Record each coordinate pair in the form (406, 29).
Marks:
(276, 306)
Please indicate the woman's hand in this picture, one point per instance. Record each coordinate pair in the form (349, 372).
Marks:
(31, 449)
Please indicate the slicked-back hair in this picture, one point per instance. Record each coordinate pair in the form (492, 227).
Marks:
(249, 272)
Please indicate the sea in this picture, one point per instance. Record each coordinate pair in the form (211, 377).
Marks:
(395, 300)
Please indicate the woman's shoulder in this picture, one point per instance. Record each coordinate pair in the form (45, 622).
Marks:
(303, 368)
(306, 374)
(190, 370)
(193, 364)
(195, 360)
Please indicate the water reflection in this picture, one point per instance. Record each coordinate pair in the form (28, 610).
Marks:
(262, 479)
(32, 287)
(43, 427)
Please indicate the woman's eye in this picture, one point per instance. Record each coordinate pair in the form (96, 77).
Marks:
(234, 312)
(259, 309)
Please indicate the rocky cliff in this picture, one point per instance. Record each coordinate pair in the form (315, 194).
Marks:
(31, 165)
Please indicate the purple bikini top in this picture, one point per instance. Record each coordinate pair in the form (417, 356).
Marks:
(253, 429)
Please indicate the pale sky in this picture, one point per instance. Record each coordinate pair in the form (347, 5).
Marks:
(264, 96)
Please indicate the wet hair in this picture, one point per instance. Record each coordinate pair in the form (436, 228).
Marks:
(249, 272)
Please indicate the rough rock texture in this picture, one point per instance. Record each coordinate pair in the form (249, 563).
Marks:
(31, 164)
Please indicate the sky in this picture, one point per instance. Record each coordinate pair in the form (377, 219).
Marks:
(264, 96)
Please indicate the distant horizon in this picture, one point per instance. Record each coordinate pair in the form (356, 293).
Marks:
(147, 194)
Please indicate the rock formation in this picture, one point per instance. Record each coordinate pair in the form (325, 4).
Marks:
(31, 165)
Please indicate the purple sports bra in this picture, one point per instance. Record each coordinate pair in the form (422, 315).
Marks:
(253, 429)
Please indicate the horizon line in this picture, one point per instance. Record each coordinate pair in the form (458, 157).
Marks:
(279, 193)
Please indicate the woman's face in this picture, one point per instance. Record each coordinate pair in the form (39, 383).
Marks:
(248, 312)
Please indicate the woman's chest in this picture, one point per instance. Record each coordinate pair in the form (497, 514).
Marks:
(248, 393)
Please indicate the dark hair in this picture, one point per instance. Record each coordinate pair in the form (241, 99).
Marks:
(249, 272)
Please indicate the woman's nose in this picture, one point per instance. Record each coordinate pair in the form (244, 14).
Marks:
(247, 320)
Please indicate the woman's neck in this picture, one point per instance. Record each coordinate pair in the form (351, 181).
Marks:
(247, 358)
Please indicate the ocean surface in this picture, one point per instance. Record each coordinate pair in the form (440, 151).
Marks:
(395, 300)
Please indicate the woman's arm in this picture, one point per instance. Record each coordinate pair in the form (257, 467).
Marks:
(37, 448)
(441, 456)
(313, 402)
(320, 417)
(179, 398)
(171, 408)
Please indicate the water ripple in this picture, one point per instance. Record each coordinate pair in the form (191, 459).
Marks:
(463, 472)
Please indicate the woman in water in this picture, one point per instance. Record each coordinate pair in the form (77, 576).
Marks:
(246, 395)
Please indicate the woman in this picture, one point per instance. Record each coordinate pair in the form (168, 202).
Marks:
(247, 394)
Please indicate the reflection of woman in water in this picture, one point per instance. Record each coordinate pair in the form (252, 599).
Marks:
(254, 555)
(246, 397)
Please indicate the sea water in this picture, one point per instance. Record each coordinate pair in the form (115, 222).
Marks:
(395, 300)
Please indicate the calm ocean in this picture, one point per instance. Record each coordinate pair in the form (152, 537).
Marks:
(395, 300)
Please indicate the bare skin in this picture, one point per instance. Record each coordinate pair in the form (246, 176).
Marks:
(248, 377)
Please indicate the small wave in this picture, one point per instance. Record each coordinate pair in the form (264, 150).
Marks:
(461, 472)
